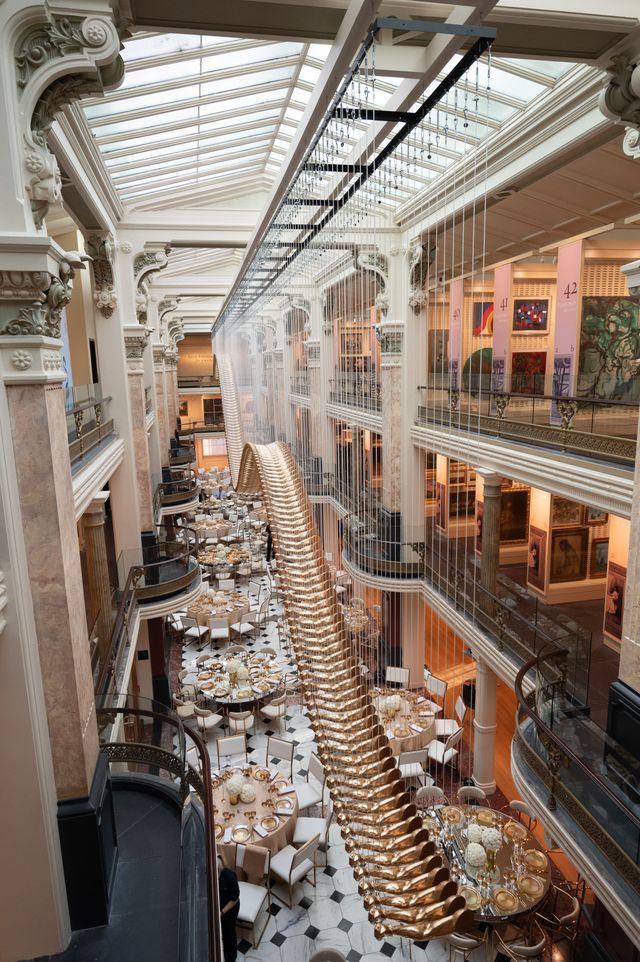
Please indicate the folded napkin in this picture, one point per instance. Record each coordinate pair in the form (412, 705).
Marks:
(286, 791)
(416, 728)
(273, 774)
(425, 714)
(420, 699)
(227, 834)
(284, 811)
(390, 734)
(262, 832)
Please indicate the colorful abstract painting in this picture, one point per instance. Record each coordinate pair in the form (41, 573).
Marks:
(482, 317)
(609, 347)
(528, 369)
(531, 316)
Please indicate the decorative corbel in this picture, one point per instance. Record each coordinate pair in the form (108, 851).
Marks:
(101, 249)
(620, 99)
(420, 259)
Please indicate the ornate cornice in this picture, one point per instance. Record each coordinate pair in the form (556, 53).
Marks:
(631, 143)
(45, 295)
(390, 336)
(620, 99)
(100, 247)
(159, 351)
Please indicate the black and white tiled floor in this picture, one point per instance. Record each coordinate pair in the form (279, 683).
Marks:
(331, 915)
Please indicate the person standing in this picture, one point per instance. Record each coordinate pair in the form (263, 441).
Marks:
(229, 908)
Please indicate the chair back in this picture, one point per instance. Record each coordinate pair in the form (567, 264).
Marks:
(260, 857)
(231, 745)
(327, 955)
(316, 769)
(470, 793)
(226, 584)
(460, 709)
(235, 650)
(279, 748)
(266, 651)
(218, 623)
(429, 796)
(418, 757)
(189, 622)
(241, 719)
(307, 851)
(399, 675)
(453, 739)
(436, 686)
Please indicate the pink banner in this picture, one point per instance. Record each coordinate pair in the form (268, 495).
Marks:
(567, 328)
(456, 294)
(501, 329)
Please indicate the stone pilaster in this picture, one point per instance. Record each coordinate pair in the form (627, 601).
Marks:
(161, 401)
(135, 340)
(391, 336)
(490, 553)
(170, 384)
(98, 571)
(484, 729)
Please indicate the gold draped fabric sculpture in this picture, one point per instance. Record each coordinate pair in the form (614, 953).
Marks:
(232, 417)
(400, 874)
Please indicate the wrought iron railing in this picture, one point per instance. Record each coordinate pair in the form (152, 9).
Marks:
(586, 772)
(198, 380)
(181, 490)
(359, 390)
(185, 452)
(212, 423)
(87, 421)
(595, 427)
(299, 383)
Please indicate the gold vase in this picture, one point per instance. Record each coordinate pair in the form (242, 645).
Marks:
(234, 799)
(491, 859)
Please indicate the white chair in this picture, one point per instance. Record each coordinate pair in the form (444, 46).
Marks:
(175, 623)
(207, 719)
(429, 797)
(442, 753)
(521, 947)
(276, 710)
(447, 726)
(183, 709)
(282, 749)
(412, 766)
(235, 650)
(308, 793)
(219, 630)
(471, 795)
(436, 687)
(254, 894)
(461, 945)
(246, 625)
(193, 631)
(399, 676)
(308, 828)
(291, 865)
(266, 652)
(240, 721)
(226, 584)
(229, 746)
(524, 813)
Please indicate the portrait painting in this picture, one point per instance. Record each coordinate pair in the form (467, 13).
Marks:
(609, 348)
(614, 600)
(514, 516)
(441, 505)
(537, 557)
(565, 513)
(479, 522)
(595, 516)
(528, 369)
(461, 501)
(530, 316)
(599, 558)
(569, 555)
(482, 318)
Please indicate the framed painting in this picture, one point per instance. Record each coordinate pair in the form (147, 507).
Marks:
(537, 557)
(441, 505)
(183, 409)
(530, 316)
(569, 555)
(514, 516)
(595, 516)
(614, 600)
(565, 513)
(482, 315)
(461, 501)
(438, 353)
(599, 558)
(479, 521)
(528, 370)
(609, 346)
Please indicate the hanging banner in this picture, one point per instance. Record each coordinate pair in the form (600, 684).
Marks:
(456, 294)
(567, 327)
(501, 330)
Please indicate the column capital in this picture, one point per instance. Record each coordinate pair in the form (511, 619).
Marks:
(94, 514)
(135, 341)
(101, 248)
(159, 351)
(492, 481)
(390, 336)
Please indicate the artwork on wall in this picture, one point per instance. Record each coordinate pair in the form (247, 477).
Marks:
(183, 410)
(530, 316)
(441, 505)
(438, 352)
(599, 558)
(537, 557)
(565, 513)
(595, 516)
(514, 516)
(609, 347)
(614, 600)
(476, 373)
(569, 554)
(461, 501)
(561, 375)
(482, 317)
(528, 369)
(479, 522)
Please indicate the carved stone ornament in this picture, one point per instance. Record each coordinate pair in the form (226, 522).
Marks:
(101, 250)
(21, 360)
(56, 38)
(146, 264)
(620, 99)
(373, 261)
(421, 257)
(631, 143)
(417, 300)
(125, 247)
(382, 302)
(42, 317)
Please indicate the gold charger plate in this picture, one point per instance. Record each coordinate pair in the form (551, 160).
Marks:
(284, 802)
(401, 731)
(431, 823)
(471, 897)
(451, 814)
(270, 823)
(205, 675)
(531, 885)
(515, 831)
(219, 830)
(261, 774)
(206, 685)
(504, 900)
(262, 686)
(535, 860)
(244, 693)
(241, 833)
(484, 816)
(221, 692)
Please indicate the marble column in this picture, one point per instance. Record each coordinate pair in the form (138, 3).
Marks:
(484, 728)
(153, 435)
(391, 335)
(98, 570)
(316, 409)
(280, 394)
(490, 555)
(135, 340)
(413, 636)
(161, 409)
(170, 384)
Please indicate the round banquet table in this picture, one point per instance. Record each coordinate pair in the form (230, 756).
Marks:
(229, 557)
(267, 803)
(232, 607)
(265, 678)
(522, 877)
(403, 738)
(218, 528)
(355, 620)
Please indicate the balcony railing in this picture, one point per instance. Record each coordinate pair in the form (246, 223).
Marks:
(87, 421)
(594, 427)
(198, 381)
(356, 390)
(182, 489)
(185, 452)
(212, 424)
(586, 772)
(299, 383)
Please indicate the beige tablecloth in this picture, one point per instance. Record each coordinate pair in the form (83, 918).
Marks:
(275, 840)
(203, 611)
(261, 674)
(410, 705)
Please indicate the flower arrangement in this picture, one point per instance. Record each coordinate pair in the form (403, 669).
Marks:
(234, 788)
(242, 673)
(233, 665)
(474, 833)
(491, 839)
(247, 794)
(390, 705)
(475, 855)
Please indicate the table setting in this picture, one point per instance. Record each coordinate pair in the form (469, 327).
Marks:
(409, 725)
(213, 603)
(501, 870)
(252, 805)
(223, 556)
(240, 679)
(355, 619)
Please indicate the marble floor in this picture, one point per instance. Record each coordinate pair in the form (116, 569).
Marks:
(331, 915)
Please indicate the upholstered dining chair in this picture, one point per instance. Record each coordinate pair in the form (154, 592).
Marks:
(255, 892)
(291, 865)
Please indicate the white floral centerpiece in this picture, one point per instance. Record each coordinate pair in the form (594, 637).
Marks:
(233, 666)
(390, 705)
(475, 857)
(242, 674)
(234, 787)
(474, 833)
(247, 794)
(491, 839)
